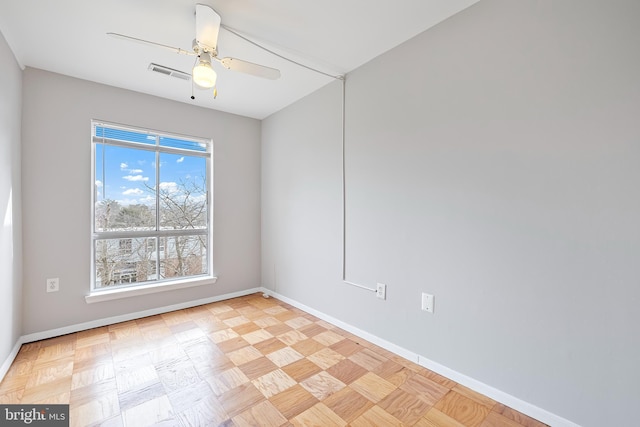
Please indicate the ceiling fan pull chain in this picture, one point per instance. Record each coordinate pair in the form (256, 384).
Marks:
(192, 82)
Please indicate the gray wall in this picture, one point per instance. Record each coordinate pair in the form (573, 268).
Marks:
(57, 184)
(493, 162)
(10, 203)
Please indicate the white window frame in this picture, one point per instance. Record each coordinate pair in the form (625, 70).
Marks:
(121, 291)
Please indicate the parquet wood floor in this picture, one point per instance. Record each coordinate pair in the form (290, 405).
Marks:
(249, 361)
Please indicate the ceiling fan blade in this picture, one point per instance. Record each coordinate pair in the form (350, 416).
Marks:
(207, 27)
(147, 42)
(250, 68)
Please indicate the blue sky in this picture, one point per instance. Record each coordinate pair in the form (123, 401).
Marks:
(128, 172)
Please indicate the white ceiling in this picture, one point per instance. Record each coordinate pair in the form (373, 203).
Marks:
(335, 36)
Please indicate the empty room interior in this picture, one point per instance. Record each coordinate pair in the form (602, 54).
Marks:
(419, 213)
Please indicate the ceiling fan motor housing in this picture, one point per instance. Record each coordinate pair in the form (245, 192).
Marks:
(199, 48)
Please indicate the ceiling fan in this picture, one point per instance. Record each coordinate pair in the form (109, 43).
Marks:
(205, 47)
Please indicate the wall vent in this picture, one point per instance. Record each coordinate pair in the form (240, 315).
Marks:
(169, 71)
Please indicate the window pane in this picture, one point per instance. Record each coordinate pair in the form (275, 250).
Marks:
(166, 141)
(183, 256)
(124, 189)
(182, 192)
(124, 261)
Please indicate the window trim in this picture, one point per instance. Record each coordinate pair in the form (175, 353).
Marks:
(127, 290)
(148, 288)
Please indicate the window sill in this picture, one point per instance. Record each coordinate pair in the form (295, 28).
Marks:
(152, 288)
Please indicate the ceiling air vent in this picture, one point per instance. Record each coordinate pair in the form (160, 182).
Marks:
(169, 71)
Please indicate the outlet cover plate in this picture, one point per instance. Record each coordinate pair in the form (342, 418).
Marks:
(427, 302)
(53, 285)
(381, 291)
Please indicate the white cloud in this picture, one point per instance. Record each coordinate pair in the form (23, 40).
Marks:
(136, 171)
(199, 198)
(134, 178)
(123, 166)
(180, 160)
(98, 183)
(148, 200)
(132, 192)
(169, 187)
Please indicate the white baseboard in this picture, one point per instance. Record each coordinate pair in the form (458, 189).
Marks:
(9, 360)
(475, 385)
(497, 395)
(132, 316)
(400, 351)
(37, 336)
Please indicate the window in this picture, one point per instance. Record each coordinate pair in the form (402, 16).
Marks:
(151, 215)
(126, 246)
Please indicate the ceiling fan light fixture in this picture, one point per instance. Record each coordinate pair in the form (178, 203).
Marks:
(203, 75)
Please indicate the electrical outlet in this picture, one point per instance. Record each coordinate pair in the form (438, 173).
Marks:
(381, 291)
(427, 302)
(53, 285)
